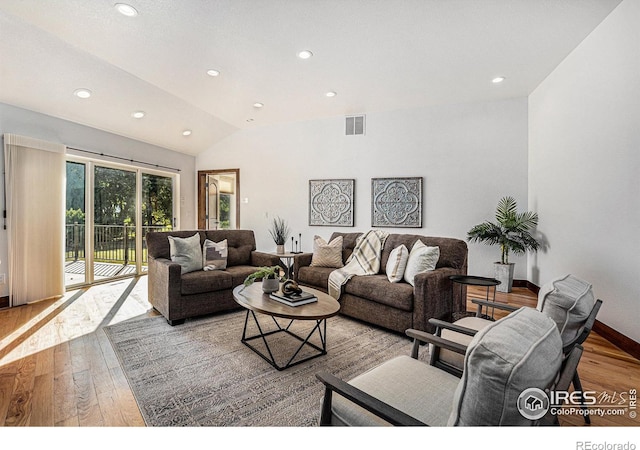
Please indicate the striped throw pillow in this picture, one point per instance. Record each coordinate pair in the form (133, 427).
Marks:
(327, 254)
(397, 263)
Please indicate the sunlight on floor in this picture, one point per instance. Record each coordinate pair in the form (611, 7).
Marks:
(77, 313)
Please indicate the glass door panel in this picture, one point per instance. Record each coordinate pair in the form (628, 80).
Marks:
(75, 262)
(157, 208)
(114, 218)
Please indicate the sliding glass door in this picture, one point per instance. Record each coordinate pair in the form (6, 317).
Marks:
(114, 222)
(110, 209)
(157, 208)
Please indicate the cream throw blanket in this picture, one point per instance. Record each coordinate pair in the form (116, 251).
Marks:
(365, 260)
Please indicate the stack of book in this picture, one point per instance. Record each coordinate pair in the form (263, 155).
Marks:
(294, 299)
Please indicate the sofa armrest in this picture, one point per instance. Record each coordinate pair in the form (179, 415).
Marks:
(262, 259)
(432, 297)
(165, 282)
(301, 260)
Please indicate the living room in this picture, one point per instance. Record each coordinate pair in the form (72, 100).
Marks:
(565, 148)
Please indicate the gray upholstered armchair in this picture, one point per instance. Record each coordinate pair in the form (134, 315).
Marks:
(520, 352)
(567, 300)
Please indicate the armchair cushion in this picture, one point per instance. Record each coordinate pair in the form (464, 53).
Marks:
(523, 350)
(567, 301)
(456, 359)
(404, 383)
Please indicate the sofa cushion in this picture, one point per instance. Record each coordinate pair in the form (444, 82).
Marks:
(315, 276)
(240, 244)
(200, 282)
(422, 258)
(520, 351)
(158, 244)
(187, 252)
(453, 252)
(327, 254)
(568, 301)
(214, 255)
(377, 288)
(239, 273)
(349, 241)
(397, 263)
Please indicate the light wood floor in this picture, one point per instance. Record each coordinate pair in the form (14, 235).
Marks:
(57, 367)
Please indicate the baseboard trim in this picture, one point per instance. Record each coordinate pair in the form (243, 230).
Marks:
(526, 284)
(4, 302)
(618, 339)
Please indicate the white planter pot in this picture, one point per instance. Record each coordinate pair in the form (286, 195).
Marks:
(270, 285)
(504, 274)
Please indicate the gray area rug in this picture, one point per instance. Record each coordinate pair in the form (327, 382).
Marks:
(200, 374)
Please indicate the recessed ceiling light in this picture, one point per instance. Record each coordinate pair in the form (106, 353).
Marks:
(305, 54)
(213, 72)
(82, 93)
(331, 94)
(258, 105)
(126, 10)
(186, 133)
(497, 80)
(137, 114)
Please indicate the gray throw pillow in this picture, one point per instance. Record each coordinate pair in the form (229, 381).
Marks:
(519, 352)
(568, 301)
(186, 252)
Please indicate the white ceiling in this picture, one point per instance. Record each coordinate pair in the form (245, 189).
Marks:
(377, 55)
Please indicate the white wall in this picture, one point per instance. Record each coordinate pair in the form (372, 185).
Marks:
(28, 123)
(469, 156)
(584, 167)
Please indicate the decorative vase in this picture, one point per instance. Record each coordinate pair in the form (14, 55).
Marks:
(270, 285)
(280, 249)
(504, 274)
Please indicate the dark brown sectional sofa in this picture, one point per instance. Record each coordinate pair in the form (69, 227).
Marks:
(181, 296)
(396, 306)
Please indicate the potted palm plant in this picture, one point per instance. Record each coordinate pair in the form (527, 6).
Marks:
(512, 231)
(279, 232)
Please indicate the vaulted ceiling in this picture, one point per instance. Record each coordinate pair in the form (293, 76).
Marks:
(376, 55)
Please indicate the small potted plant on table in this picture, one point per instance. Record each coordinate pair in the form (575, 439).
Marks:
(279, 232)
(270, 277)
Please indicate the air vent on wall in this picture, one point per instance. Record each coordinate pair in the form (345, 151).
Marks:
(354, 125)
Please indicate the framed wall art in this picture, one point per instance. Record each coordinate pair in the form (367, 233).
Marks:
(331, 202)
(396, 202)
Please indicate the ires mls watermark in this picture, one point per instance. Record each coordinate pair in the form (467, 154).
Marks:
(534, 403)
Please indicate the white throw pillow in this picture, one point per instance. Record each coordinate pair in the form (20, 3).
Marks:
(186, 252)
(421, 259)
(397, 263)
(214, 255)
(327, 254)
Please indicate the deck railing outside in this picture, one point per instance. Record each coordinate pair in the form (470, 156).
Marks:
(112, 243)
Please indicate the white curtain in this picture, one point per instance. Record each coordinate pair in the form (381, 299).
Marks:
(35, 191)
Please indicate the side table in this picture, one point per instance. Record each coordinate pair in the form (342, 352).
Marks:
(289, 260)
(471, 280)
